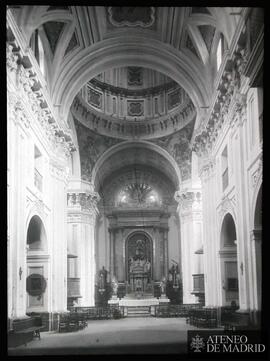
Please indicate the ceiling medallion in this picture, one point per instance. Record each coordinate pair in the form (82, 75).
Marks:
(131, 16)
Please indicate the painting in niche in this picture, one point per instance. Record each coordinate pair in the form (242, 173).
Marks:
(131, 16)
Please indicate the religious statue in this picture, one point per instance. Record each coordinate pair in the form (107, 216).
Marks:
(131, 264)
(102, 279)
(163, 285)
(138, 285)
(114, 285)
(147, 266)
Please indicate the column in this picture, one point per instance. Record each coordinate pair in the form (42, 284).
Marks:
(82, 212)
(112, 251)
(166, 257)
(190, 213)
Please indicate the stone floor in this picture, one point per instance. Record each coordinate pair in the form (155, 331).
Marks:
(124, 336)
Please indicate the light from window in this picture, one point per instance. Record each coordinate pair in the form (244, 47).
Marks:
(219, 53)
(41, 56)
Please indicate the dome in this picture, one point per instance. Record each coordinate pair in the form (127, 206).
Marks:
(133, 101)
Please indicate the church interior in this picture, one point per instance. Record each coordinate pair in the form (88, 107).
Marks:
(134, 167)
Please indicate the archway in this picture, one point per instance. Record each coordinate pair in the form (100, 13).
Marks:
(228, 262)
(37, 266)
(133, 51)
(139, 262)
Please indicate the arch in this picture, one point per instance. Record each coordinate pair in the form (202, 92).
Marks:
(131, 144)
(36, 235)
(124, 51)
(228, 231)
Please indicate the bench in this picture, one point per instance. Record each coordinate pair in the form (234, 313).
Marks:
(203, 317)
(24, 330)
(236, 321)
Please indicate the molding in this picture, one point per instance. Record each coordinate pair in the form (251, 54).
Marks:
(227, 205)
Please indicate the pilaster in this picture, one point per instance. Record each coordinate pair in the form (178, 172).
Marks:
(190, 213)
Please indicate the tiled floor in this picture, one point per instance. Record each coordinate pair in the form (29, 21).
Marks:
(128, 335)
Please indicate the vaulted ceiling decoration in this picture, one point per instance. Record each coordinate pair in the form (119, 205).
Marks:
(53, 30)
(138, 195)
(207, 32)
(138, 186)
(178, 145)
(200, 10)
(174, 43)
(131, 16)
(91, 147)
(73, 43)
(191, 47)
(50, 8)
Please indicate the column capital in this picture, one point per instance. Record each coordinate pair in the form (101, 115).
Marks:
(188, 199)
(83, 200)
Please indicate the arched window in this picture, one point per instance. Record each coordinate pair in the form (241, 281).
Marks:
(41, 56)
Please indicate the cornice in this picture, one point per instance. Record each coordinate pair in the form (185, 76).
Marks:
(123, 92)
(229, 96)
(29, 82)
(124, 129)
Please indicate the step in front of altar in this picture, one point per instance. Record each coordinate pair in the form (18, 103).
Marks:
(127, 302)
(141, 311)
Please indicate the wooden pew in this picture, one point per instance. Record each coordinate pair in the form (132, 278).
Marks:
(24, 330)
